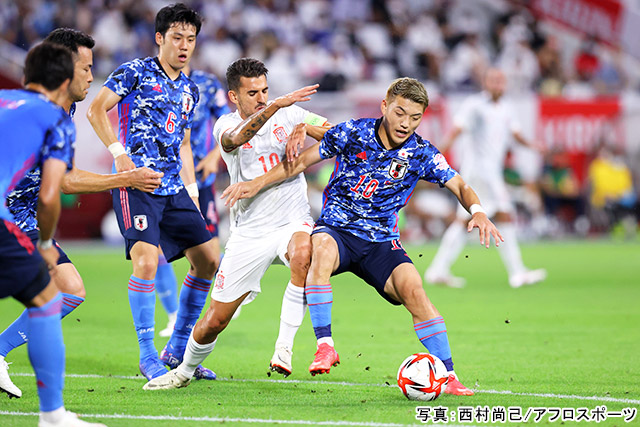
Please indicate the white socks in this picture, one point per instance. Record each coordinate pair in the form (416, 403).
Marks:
(194, 355)
(453, 241)
(509, 249)
(294, 305)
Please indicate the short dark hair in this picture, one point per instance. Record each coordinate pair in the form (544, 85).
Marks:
(48, 64)
(244, 67)
(177, 13)
(70, 38)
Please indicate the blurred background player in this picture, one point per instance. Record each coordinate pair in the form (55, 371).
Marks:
(206, 159)
(491, 123)
(274, 225)
(378, 165)
(37, 131)
(22, 201)
(156, 104)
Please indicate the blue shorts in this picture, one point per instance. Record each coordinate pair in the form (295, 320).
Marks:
(34, 236)
(208, 208)
(23, 272)
(172, 222)
(373, 262)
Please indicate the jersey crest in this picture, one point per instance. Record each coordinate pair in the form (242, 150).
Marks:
(398, 169)
(280, 134)
(187, 102)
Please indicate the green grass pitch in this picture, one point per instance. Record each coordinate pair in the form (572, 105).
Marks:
(571, 342)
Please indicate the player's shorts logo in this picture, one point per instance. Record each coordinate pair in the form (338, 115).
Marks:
(398, 169)
(219, 281)
(140, 222)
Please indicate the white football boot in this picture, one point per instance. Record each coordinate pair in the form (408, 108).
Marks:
(528, 277)
(170, 380)
(281, 360)
(6, 385)
(69, 419)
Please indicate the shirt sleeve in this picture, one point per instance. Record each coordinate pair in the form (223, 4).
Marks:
(335, 139)
(60, 141)
(223, 124)
(124, 79)
(437, 169)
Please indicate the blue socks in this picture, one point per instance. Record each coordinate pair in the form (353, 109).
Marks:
(320, 301)
(142, 300)
(16, 334)
(193, 295)
(433, 335)
(46, 352)
(166, 286)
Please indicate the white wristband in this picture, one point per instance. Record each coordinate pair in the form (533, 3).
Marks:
(192, 189)
(45, 244)
(475, 208)
(116, 149)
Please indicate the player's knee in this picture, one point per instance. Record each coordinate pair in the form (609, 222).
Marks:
(301, 259)
(214, 323)
(70, 284)
(145, 267)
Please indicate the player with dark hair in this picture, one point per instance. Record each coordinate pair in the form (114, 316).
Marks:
(206, 158)
(378, 164)
(156, 104)
(275, 226)
(22, 201)
(36, 131)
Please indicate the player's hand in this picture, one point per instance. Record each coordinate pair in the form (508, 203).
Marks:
(295, 142)
(300, 95)
(237, 191)
(50, 256)
(486, 229)
(123, 163)
(145, 179)
(208, 165)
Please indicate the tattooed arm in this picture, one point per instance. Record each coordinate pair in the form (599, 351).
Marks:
(250, 126)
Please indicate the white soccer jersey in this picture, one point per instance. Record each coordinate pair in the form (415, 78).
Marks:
(276, 205)
(489, 126)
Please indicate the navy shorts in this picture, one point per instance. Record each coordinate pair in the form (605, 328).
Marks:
(34, 235)
(23, 272)
(172, 222)
(207, 200)
(373, 262)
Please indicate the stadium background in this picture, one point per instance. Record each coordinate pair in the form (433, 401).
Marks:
(573, 70)
(571, 342)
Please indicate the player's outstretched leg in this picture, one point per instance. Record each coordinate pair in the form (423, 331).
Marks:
(291, 316)
(433, 335)
(320, 301)
(193, 296)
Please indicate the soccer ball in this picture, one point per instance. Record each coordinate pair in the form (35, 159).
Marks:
(422, 376)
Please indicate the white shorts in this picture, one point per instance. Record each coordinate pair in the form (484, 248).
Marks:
(246, 259)
(493, 194)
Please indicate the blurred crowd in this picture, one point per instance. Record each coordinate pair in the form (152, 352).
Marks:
(340, 43)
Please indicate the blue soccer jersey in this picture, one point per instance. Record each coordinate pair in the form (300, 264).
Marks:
(22, 201)
(34, 130)
(213, 104)
(154, 112)
(370, 184)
